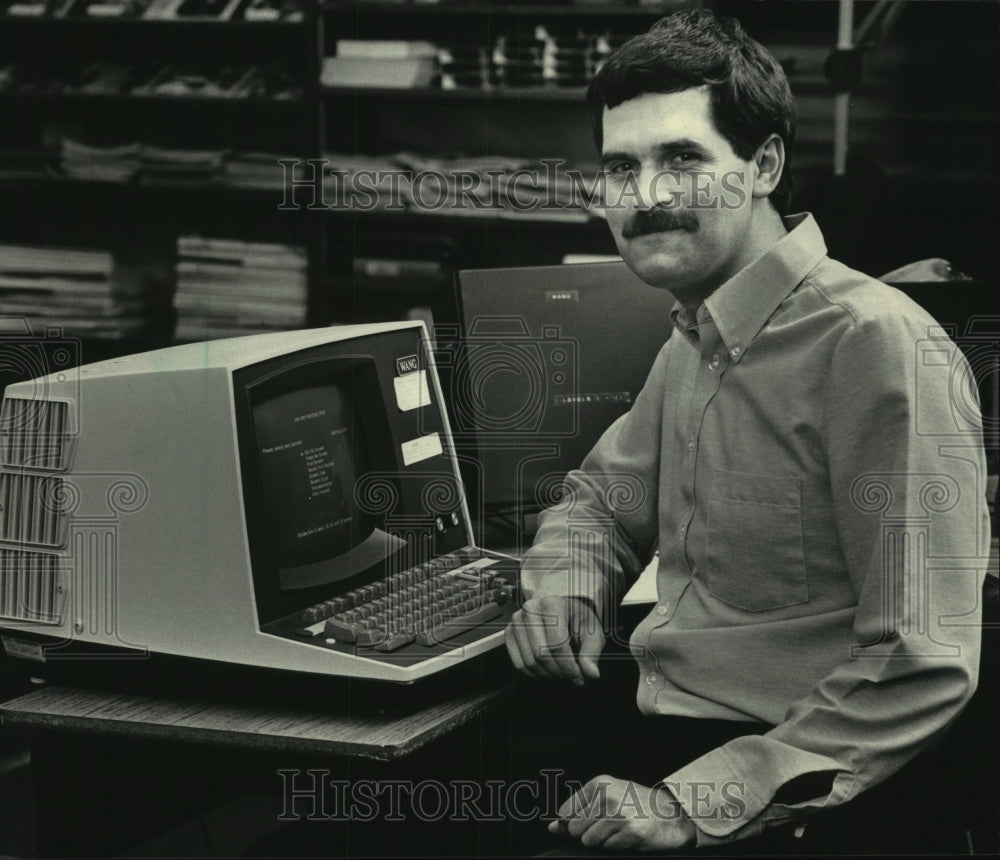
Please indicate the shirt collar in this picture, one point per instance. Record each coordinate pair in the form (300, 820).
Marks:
(743, 304)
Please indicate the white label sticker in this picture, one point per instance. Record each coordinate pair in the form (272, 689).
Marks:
(412, 391)
(23, 648)
(421, 449)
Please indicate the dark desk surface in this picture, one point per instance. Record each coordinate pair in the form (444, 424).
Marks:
(296, 728)
(312, 729)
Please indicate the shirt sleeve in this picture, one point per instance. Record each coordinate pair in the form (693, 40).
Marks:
(594, 542)
(907, 474)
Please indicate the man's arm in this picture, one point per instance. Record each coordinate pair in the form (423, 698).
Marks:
(591, 544)
(909, 506)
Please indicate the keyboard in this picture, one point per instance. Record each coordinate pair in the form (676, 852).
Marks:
(427, 604)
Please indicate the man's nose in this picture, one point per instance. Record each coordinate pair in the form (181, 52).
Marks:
(660, 189)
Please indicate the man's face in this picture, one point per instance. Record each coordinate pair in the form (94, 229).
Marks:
(677, 198)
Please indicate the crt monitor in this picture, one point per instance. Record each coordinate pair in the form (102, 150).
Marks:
(287, 501)
(547, 359)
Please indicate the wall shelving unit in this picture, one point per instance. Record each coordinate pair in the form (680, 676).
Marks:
(352, 254)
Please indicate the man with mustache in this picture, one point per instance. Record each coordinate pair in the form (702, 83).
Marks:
(797, 655)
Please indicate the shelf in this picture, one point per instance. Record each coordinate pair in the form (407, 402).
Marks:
(414, 219)
(127, 100)
(428, 11)
(43, 181)
(530, 120)
(404, 284)
(541, 94)
(813, 88)
(157, 24)
(302, 195)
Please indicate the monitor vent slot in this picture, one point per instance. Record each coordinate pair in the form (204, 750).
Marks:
(32, 509)
(34, 433)
(29, 587)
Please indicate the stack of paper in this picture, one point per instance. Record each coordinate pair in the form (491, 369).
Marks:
(72, 288)
(102, 163)
(228, 287)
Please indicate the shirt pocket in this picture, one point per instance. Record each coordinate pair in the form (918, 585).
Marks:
(754, 556)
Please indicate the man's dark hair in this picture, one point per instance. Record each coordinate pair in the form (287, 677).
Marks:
(750, 96)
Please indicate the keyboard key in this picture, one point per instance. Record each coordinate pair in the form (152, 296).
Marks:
(310, 631)
(395, 640)
(310, 615)
(453, 626)
(345, 631)
(372, 637)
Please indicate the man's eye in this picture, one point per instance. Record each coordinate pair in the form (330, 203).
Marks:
(620, 168)
(684, 158)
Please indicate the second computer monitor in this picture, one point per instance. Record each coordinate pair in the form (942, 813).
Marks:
(546, 359)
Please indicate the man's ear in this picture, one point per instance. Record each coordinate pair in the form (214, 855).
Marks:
(770, 162)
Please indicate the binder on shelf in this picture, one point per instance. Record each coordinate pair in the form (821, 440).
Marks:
(104, 8)
(218, 10)
(384, 49)
(266, 10)
(409, 73)
(258, 170)
(25, 8)
(380, 63)
(382, 267)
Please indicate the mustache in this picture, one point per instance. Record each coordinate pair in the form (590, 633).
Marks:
(659, 220)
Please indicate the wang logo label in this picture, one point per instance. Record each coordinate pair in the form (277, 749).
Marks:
(407, 364)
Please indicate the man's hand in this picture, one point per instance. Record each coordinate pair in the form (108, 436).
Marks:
(616, 815)
(556, 637)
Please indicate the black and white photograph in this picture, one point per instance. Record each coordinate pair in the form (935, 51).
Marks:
(499, 429)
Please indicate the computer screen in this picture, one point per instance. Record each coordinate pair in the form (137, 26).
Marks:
(546, 359)
(310, 431)
(287, 501)
(308, 454)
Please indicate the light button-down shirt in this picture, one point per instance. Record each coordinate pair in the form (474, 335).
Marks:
(819, 505)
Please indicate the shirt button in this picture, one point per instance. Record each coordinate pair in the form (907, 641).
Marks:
(663, 609)
(652, 679)
(735, 351)
(714, 363)
(690, 445)
(681, 530)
